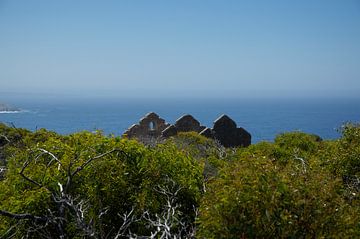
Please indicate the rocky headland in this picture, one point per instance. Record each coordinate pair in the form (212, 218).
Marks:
(8, 108)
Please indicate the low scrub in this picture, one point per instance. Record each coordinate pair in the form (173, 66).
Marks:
(87, 185)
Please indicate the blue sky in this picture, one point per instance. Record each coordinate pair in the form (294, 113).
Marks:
(182, 48)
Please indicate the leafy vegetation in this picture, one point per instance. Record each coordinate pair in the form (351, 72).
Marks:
(87, 185)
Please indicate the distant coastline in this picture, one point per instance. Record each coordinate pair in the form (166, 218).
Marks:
(4, 108)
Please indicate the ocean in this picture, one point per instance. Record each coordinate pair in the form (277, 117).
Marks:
(263, 119)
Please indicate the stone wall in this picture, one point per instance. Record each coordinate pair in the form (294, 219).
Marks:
(150, 126)
(224, 130)
(227, 133)
(186, 123)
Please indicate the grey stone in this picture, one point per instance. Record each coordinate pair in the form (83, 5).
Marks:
(150, 126)
(226, 131)
(188, 123)
(207, 132)
(244, 137)
(169, 131)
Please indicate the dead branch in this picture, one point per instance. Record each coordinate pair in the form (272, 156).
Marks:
(64, 200)
(128, 219)
(6, 138)
(27, 162)
(24, 216)
(54, 158)
(80, 210)
(78, 169)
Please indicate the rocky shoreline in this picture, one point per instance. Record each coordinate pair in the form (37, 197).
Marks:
(8, 108)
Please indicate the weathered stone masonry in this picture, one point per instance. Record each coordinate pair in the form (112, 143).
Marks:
(224, 129)
(227, 133)
(150, 126)
(185, 123)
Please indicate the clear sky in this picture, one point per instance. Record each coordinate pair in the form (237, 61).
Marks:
(192, 48)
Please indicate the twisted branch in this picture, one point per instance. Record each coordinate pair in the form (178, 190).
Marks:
(24, 216)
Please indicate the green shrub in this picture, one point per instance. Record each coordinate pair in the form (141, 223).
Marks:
(296, 187)
(121, 180)
(255, 198)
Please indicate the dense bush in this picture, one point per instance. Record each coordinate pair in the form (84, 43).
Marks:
(284, 189)
(347, 155)
(123, 176)
(95, 186)
(255, 198)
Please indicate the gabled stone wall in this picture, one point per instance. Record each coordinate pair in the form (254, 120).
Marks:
(186, 123)
(224, 130)
(227, 133)
(150, 126)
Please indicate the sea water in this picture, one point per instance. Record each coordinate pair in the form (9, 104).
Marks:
(264, 119)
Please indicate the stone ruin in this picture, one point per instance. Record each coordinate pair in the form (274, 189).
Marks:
(224, 130)
(185, 123)
(150, 126)
(227, 133)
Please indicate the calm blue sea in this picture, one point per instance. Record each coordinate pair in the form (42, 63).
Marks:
(264, 119)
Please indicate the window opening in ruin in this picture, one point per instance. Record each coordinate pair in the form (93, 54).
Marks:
(151, 125)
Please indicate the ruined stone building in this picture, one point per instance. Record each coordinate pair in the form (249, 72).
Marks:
(227, 133)
(186, 123)
(150, 126)
(224, 130)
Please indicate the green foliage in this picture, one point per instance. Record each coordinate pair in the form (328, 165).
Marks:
(193, 144)
(296, 187)
(255, 198)
(347, 153)
(295, 144)
(283, 190)
(298, 140)
(128, 181)
(116, 182)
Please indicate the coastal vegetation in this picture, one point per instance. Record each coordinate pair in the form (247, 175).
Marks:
(88, 185)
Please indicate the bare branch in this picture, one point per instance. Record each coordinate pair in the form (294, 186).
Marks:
(53, 157)
(65, 202)
(6, 138)
(7, 233)
(2, 169)
(24, 216)
(27, 162)
(302, 160)
(78, 169)
(170, 222)
(128, 219)
(80, 210)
